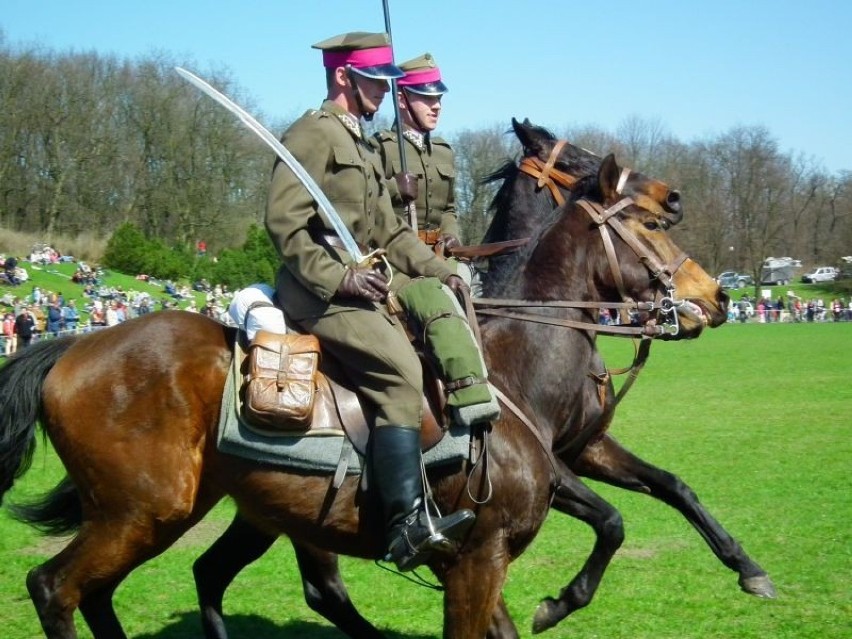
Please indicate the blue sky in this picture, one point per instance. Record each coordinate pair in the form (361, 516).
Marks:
(696, 68)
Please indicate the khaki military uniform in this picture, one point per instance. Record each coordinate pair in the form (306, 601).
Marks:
(369, 343)
(436, 176)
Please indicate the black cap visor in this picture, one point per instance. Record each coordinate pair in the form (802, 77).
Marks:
(380, 72)
(427, 88)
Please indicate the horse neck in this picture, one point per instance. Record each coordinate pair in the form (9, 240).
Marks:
(548, 367)
(544, 370)
(521, 211)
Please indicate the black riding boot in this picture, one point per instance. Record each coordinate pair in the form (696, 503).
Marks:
(412, 535)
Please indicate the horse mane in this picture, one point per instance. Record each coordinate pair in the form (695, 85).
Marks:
(500, 204)
(501, 277)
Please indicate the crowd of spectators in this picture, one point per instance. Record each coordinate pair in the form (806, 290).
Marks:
(789, 308)
(39, 314)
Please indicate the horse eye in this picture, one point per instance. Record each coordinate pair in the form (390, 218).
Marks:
(652, 226)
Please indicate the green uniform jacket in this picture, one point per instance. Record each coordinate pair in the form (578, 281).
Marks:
(436, 176)
(348, 170)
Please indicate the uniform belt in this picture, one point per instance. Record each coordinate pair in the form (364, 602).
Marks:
(329, 238)
(429, 237)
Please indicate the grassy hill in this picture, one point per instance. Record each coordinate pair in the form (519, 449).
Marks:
(56, 278)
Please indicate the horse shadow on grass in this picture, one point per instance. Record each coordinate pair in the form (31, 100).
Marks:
(186, 625)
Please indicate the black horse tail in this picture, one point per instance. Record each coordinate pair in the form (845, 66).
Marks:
(58, 512)
(21, 381)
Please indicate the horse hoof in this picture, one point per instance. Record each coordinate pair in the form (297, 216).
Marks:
(546, 616)
(759, 586)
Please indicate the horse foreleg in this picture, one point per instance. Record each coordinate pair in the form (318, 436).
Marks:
(326, 594)
(576, 499)
(240, 545)
(607, 461)
(472, 586)
(502, 626)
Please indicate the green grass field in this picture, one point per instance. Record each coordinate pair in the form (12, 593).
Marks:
(754, 417)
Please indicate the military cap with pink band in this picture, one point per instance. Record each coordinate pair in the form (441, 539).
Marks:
(369, 54)
(422, 76)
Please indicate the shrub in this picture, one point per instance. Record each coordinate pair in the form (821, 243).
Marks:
(256, 261)
(127, 250)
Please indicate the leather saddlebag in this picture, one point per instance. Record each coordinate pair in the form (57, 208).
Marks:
(281, 380)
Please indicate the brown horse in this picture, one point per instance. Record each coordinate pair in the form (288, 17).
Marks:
(521, 206)
(531, 189)
(132, 413)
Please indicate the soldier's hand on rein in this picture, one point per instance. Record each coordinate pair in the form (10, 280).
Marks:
(449, 241)
(408, 186)
(457, 285)
(364, 283)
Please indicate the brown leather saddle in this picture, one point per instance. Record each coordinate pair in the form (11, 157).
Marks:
(337, 407)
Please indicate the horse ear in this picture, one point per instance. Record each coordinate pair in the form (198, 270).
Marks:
(529, 137)
(608, 175)
(522, 130)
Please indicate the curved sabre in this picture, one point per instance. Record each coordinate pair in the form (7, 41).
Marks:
(325, 206)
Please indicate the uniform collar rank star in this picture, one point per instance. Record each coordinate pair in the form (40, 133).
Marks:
(350, 123)
(416, 138)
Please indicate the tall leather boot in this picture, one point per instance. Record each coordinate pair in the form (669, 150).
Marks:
(412, 535)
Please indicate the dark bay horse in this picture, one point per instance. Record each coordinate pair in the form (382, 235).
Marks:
(531, 190)
(132, 413)
(520, 207)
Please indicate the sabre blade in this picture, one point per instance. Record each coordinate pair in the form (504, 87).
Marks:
(325, 206)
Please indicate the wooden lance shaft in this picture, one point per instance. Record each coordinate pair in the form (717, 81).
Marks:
(410, 208)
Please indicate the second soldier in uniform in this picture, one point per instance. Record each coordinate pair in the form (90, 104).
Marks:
(428, 158)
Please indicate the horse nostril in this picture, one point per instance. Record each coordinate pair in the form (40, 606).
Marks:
(673, 201)
(724, 300)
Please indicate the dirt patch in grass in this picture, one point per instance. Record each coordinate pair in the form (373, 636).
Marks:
(202, 535)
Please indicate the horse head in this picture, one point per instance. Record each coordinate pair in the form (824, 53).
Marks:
(544, 177)
(559, 165)
(605, 246)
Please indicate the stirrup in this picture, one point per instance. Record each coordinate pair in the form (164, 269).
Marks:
(419, 536)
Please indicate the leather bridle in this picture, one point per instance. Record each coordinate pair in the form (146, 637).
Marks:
(547, 175)
(608, 223)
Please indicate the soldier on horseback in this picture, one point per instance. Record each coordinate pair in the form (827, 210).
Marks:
(325, 292)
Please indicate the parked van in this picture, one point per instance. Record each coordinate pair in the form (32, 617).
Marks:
(820, 274)
(778, 270)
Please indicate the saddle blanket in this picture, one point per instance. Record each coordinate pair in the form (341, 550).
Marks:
(318, 453)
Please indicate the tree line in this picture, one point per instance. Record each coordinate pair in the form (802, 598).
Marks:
(90, 142)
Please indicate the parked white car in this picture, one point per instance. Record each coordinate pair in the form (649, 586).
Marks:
(820, 274)
(740, 310)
